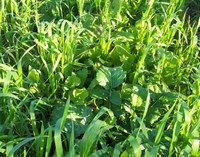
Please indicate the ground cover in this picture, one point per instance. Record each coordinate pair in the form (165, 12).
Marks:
(99, 78)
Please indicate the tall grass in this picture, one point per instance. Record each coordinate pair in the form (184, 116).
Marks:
(55, 99)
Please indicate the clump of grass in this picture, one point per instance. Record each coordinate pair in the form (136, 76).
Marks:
(99, 78)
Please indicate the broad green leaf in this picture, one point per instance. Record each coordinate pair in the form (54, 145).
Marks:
(136, 100)
(170, 68)
(110, 77)
(34, 75)
(99, 93)
(126, 91)
(72, 81)
(93, 84)
(82, 74)
(80, 115)
(115, 97)
(78, 96)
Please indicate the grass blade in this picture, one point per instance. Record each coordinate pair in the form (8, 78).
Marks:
(58, 129)
(116, 152)
(90, 136)
(71, 143)
(162, 124)
(49, 141)
(57, 138)
(15, 148)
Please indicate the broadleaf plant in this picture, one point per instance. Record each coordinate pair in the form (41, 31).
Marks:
(110, 78)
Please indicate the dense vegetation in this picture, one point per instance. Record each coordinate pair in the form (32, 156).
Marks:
(99, 78)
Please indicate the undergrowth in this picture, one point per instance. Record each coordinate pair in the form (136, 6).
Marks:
(99, 78)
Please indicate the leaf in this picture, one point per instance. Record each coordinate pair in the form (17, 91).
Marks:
(138, 96)
(80, 115)
(103, 77)
(124, 36)
(99, 93)
(93, 84)
(5, 67)
(72, 81)
(152, 152)
(100, 152)
(126, 91)
(22, 143)
(71, 152)
(34, 75)
(136, 100)
(57, 138)
(49, 141)
(82, 74)
(110, 77)
(162, 124)
(94, 130)
(115, 97)
(136, 146)
(9, 95)
(116, 152)
(78, 96)
(58, 129)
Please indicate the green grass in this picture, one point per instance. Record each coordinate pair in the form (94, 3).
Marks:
(99, 78)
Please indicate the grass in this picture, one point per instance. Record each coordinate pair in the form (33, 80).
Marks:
(99, 78)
